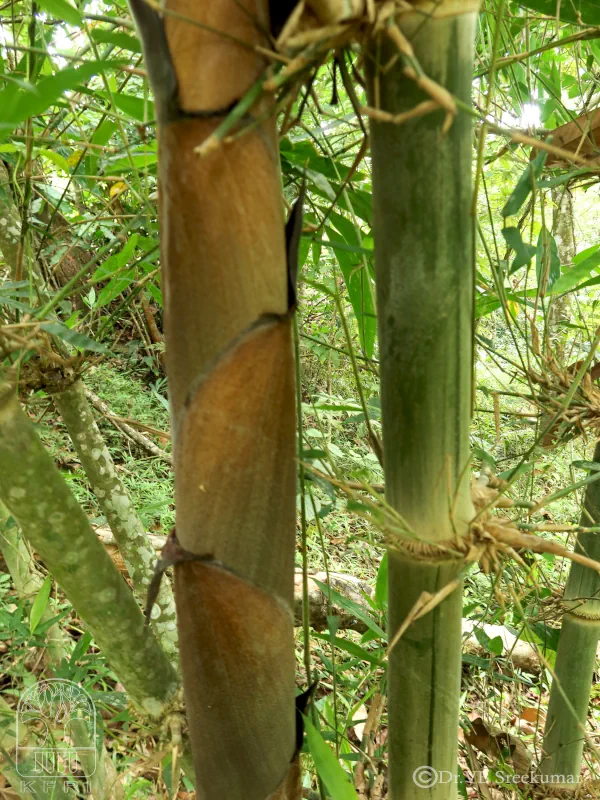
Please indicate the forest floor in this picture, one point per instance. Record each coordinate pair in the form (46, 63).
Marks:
(502, 705)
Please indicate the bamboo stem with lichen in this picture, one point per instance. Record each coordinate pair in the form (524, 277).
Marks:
(56, 526)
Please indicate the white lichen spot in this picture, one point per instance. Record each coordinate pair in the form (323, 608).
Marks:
(156, 611)
(96, 453)
(107, 595)
(56, 518)
(122, 506)
(17, 493)
(72, 557)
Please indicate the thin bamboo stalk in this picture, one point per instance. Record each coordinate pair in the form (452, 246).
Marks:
(564, 736)
(114, 500)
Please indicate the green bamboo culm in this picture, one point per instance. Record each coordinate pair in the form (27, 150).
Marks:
(56, 526)
(422, 195)
(564, 736)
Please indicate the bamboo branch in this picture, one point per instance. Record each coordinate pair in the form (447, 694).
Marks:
(143, 441)
(120, 513)
(56, 526)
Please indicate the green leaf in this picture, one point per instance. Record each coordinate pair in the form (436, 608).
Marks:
(19, 104)
(139, 158)
(117, 260)
(592, 282)
(476, 661)
(524, 185)
(328, 767)
(322, 183)
(115, 287)
(461, 783)
(371, 656)
(589, 465)
(572, 276)
(485, 457)
(78, 340)
(60, 9)
(516, 472)
(494, 645)
(485, 304)
(323, 405)
(357, 280)
(39, 604)
(57, 159)
(137, 107)
(542, 634)
(345, 248)
(581, 12)
(523, 252)
(547, 261)
(119, 39)
(101, 136)
(352, 607)
(80, 648)
(155, 293)
(313, 455)
(381, 587)
(333, 624)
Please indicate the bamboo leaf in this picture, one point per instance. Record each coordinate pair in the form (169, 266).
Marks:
(116, 261)
(571, 278)
(57, 159)
(139, 158)
(156, 293)
(372, 656)
(357, 280)
(581, 12)
(381, 587)
(139, 108)
(18, 103)
(115, 287)
(78, 340)
(329, 768)
(589, 465)
(62, 10)
(39, 604)
(494, 645)
(524, 185)
(119, 39)
(547, 260)
(523, 252)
